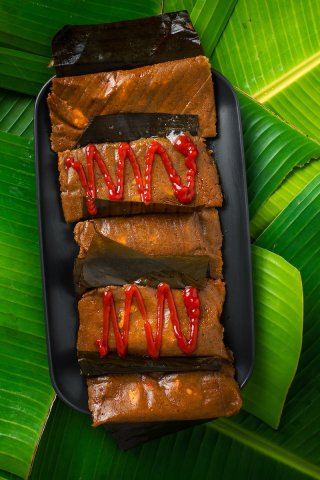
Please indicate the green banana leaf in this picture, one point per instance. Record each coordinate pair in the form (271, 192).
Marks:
(210, 19)
(208, 452)
(16, 113)
(294, 234)
(292, 185)
(270, 49)
(278, 312)
(23, 72)
(302, 90)
(272, 150)
(26, 393)
(7, 476)
(175, 5)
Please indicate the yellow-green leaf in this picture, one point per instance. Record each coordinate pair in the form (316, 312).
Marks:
(270, 49)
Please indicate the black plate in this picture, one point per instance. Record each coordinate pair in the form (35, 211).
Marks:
(58, 249)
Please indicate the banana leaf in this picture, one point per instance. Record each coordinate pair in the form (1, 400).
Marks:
(7, 476)
(23, 72)
(204, 452)
(26, 391)
(16, 113)
(278, 312)
(294, 234)
(284, 102)
(210, 19)
(272, 150)
(271, 51)
(175, 5)
(291, 186)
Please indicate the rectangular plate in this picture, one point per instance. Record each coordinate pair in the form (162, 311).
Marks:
(58, 249)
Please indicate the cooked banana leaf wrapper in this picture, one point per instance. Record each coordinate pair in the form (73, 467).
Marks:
(125, 127)
(111, 263)
(91, 364)
(81, 49)
(108, 208)
(132, 434)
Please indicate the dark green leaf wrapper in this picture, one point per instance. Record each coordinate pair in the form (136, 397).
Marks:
(108, 208)
(131, 435)
(92, 364)
(81, 49)
(126, 127)
(111, 263)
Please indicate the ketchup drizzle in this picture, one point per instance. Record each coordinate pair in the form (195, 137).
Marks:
(187, 345)
(184, 193)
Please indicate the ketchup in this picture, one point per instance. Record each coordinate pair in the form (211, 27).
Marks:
(187, 345)
(184, 193)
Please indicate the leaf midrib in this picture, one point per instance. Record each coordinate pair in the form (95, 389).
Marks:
(287, 78)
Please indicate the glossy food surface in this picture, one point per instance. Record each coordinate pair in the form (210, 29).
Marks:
(143, 398)
(182, 86)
